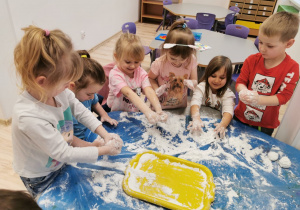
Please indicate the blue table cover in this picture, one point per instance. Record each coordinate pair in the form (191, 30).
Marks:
(244, 176)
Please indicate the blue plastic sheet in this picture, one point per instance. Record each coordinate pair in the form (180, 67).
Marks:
(244, 177)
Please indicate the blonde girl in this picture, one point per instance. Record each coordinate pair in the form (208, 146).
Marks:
(213, 91)
(42, 125)
(176, 70)
(127, 79)
(85, 90)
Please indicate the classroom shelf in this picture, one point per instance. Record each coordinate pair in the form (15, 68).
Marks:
(254, 11)
(153, 9)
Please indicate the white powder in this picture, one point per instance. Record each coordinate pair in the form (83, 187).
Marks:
(234, 152)
(231, 194)
(47, 202)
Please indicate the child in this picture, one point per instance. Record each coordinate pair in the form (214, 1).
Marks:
(127, 79)
(86, 89)
(268, 78)
(176, 69)
(42, 125)
(15, 200)
(213, 91)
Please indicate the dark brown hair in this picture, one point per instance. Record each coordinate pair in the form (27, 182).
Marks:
(92, 71)
(214, 65)
(15, 200)
(179, 33)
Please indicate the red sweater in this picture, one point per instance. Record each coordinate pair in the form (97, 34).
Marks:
(280, 81)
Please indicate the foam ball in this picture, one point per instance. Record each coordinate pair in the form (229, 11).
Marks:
(273, 156)
(285, 162)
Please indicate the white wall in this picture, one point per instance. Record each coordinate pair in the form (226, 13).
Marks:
(100, 19)
(221, 3)
(289, 128)
(8, 89)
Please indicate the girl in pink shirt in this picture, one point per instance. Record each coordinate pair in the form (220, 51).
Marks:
(127, 80)
(176, 70)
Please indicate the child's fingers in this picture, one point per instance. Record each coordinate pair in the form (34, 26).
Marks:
(153, 117)
(220, 129)
(163, 116)
(114, 122)
(99, 141)
(190, 126)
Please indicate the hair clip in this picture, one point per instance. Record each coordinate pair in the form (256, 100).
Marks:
(83, 56)
(184, 25)
(47, 33)
(169, 45)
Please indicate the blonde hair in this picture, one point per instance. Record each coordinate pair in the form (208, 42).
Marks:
(44, 53)
(92, 71)
(213, 66)
(284, 24)
(179, 33)
(129, 45)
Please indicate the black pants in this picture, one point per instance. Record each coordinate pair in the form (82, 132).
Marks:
(267, 131)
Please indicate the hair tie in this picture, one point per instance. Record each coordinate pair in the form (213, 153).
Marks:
(83, 56)
(184, 25)
(47, 33)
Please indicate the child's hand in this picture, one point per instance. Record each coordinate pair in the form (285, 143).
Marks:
(115, 146)
(243, 94)
(112, 136)
(249, 97)
(152, 117)
(220, 129)
(190, 83)
(111, 121)
(99, 141)
(163, 116)
(159, 91)
(196, 125)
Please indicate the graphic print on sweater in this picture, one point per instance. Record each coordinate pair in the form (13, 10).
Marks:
(253, 114)
(176, 91)
(263, 84)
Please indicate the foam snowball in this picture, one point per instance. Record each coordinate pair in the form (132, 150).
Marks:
(285, 162)
(273, 156)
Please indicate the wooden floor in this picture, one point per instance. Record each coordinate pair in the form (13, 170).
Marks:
(103, 54)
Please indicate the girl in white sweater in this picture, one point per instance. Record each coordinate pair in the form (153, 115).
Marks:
(213, 91)
(42, 125)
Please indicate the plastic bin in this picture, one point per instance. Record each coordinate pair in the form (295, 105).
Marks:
(249, 24)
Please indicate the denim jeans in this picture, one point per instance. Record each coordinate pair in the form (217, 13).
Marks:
(37, 185)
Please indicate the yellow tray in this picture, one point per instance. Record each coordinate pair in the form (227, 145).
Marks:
(169, 181)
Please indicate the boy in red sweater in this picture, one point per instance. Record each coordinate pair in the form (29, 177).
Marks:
(268, 78)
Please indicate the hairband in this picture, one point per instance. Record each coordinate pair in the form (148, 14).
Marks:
(83, 56)
(169, 45)
(47, 33)
(184, 25)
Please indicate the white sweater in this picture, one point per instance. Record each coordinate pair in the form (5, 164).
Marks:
(42, 134)
(225, 104)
